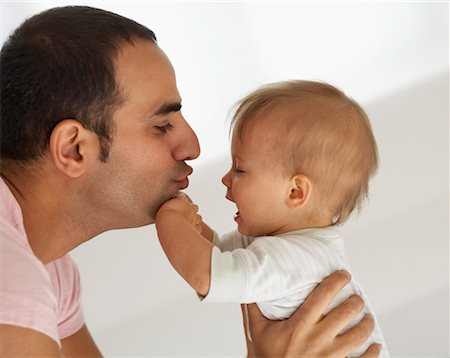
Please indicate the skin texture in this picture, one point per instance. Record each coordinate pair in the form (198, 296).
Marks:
(12, 340)
(79, 344)
(152, 146)
(255, 177)
(179, 230)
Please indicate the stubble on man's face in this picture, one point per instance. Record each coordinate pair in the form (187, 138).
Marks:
(144, 168)
(136, 192)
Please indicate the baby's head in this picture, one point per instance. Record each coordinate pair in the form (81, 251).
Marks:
(309, 136)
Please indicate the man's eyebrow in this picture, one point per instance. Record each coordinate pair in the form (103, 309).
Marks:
(167, 108)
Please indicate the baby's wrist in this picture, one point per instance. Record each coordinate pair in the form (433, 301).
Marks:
(164, 212)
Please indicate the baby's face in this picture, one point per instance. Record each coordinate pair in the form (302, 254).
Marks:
(257, 183)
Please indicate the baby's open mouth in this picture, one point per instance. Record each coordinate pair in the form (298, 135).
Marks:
(236, 215)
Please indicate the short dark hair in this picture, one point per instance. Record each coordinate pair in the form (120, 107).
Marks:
(59, 64)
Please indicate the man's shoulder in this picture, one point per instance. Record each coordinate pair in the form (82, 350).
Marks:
(26, 294)
(18, 260)
(11, 220)
(65, 277)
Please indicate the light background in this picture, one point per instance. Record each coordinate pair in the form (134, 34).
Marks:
(391, 57)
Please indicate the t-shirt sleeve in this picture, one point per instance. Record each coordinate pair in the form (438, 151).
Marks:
(66, 281)
(26, 296)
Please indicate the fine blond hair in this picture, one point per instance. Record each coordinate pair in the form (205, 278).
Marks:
(323, 134)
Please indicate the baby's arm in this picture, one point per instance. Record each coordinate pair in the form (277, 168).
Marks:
(181, 234)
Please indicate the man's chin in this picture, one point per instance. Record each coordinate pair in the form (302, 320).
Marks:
(153, 211)
(155, 205)
(164, 199)
(137, 224)
(148, 218)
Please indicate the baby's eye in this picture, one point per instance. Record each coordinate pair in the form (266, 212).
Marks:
(164, 128)
(238, 171)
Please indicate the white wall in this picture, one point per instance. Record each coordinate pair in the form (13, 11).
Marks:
(393, 58)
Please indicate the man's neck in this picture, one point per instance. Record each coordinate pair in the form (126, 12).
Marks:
(53, 223)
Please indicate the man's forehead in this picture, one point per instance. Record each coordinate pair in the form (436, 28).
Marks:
(146, 78)
(142, 60)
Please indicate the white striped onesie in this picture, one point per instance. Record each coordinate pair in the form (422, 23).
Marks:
(279, 272)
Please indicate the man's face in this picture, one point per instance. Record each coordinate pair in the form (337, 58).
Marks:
(151, 140)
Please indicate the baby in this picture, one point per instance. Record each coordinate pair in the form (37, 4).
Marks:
(303, 154)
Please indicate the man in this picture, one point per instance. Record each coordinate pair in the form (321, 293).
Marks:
(92, 139)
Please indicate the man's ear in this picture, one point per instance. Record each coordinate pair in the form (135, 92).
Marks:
(72, 146)
(300, 189)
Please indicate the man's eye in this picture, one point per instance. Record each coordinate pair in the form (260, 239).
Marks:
(164, 128)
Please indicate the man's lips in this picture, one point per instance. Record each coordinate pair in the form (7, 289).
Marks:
(183, 183)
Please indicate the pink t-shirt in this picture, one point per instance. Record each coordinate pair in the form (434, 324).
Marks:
(45, 298)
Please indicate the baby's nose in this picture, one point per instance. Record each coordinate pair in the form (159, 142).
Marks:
(226, 180)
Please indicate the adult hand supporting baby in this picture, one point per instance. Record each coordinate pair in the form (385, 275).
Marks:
(307, 333)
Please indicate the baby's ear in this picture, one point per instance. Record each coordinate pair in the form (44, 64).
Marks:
(300, 189)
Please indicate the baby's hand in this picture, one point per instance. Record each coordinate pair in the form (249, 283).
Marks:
(183, 205)
(184, 196)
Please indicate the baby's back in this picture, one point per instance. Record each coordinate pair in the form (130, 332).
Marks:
(318, 252)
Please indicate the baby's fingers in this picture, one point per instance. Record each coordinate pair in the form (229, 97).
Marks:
(198, 224)
(183, 196)
(194, 208)
(373, 351)
(198, 228)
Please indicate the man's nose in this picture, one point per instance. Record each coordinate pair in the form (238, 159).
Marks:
(188, 147)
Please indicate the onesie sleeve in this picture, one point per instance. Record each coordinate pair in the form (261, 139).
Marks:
(230, 241)
(227, 277)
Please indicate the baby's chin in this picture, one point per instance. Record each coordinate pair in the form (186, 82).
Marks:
(252, 232)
